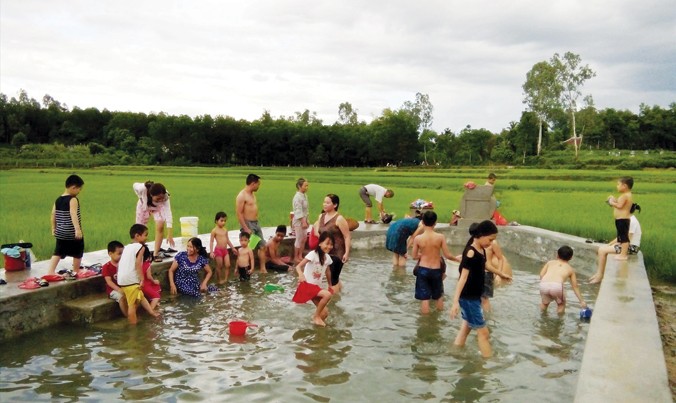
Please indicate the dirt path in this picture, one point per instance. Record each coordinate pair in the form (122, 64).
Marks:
(664, 297)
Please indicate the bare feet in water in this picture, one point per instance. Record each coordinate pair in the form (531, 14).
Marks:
(318, 321)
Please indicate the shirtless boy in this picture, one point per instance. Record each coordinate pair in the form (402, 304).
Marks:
(622, 213)
(427, 247)
(553, 275)
(247, 214)
(273, 260)
(245, 257)
(219, 251)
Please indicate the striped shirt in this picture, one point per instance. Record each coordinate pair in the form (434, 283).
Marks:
(64, 224)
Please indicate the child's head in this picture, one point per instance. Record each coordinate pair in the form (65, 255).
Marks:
(139, 233)
(244, 239)
(302, 184)
(331, 200)
(625, 183)
(429, 218)
(492, 178)
(221, 218)
(280, 232)
(115, 249)
(565, 253)
(74, 184)
(484, 233)
(157, 193)
(324, 245)
(194, 246)
(389, 193)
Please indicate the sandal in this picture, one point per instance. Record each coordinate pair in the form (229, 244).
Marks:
(158, 259)
(369, 222)
(29, 284)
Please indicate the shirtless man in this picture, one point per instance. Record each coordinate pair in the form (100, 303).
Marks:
(247, 214)
(553, 275)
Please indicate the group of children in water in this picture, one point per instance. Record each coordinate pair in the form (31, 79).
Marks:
(129, 280)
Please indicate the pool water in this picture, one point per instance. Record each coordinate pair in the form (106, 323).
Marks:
(377, 346)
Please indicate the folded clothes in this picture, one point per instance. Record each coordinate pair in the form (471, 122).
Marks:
(14, 252)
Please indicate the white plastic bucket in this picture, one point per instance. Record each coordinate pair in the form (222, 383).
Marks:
(189, 226)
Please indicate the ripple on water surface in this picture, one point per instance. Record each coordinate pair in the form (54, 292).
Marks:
(376, 346)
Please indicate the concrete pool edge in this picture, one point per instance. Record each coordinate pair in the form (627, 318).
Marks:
(623, 358)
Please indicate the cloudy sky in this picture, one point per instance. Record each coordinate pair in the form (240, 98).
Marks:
(242, 58)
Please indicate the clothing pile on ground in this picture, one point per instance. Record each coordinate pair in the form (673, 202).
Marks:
(421, 204)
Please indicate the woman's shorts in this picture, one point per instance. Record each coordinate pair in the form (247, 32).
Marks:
(301, 236)
(69, 247)
(336, 267)
(472, 313)
(633, 249)
(429, 284)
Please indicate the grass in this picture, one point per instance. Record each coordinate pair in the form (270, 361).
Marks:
(569, 201)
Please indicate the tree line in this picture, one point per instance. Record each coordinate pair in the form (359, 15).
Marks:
(397, 137)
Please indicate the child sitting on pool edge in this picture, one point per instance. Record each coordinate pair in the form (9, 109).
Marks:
(130, 276)
(553, 275)
(273, 261)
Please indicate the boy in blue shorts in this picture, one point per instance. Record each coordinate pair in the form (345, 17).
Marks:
(470, 286)
(431, 268)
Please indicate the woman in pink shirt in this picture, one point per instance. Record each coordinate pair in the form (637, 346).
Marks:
(153, 198)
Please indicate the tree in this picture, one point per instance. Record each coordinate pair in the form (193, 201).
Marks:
(542, 92)
(347, 115)
(571, 75)
(422, 110)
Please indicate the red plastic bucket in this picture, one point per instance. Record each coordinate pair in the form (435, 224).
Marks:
(14, 264)
(238, 327)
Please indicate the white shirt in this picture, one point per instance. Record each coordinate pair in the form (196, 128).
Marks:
(377, 191)
(314, 270)
(634, 231)
(126, 269)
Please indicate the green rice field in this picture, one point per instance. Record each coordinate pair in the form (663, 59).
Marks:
(570, 201)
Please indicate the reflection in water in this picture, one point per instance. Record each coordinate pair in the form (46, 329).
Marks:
(320, 353)
(377, 346)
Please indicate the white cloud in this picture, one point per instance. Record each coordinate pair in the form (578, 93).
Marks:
(213, 57)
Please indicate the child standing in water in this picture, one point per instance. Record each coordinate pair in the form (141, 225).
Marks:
(219, 252)
(467, 298)
(428, 248)
(245, 257)
(310, 271)
(553, 275)
(130, 272)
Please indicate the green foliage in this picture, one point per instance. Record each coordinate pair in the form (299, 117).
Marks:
(570, 201)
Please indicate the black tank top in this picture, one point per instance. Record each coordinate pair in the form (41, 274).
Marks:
(64, 224)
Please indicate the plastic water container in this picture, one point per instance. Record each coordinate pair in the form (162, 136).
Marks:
(189, 226)
(15, 264)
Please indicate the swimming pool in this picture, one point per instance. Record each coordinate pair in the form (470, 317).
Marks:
(377, 346)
